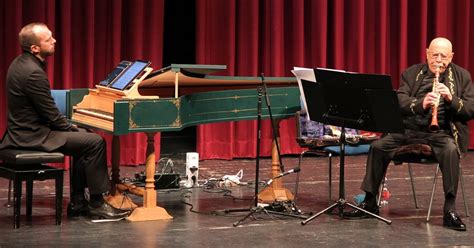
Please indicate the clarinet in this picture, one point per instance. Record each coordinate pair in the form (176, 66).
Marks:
(434, 126)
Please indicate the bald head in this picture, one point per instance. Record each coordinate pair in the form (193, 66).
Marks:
(441, 43)
(439, 54)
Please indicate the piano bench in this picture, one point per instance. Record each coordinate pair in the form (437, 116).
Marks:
(26, 165)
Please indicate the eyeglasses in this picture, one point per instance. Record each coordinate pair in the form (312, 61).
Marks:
(436, 55)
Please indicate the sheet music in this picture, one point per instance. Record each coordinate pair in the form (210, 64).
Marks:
(330, 69)
(306, 74)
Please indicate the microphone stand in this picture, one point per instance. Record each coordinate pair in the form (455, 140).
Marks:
(274, 130)
(259, 138)
(257, 161)
(256, 206)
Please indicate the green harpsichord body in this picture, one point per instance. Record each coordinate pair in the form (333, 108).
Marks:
(179, 96)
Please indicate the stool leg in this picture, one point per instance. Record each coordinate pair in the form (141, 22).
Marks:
(59, 198)
(29, 198)
(16, 202)
(9, 199)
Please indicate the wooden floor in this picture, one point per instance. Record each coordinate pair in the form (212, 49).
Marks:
(200, 222)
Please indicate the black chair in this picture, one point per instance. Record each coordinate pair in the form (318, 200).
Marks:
(320, 147)
(26, 165)
(312, 148)
(422, 154)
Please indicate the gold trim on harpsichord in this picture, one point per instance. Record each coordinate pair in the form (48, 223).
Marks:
(235, 111)
(225, 111)
(131, 123)
(131, 105)
(177, 104)
(174, 101)
(177, 122)
(235, 97)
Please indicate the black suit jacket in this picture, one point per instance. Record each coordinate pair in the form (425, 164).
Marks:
(32, 113)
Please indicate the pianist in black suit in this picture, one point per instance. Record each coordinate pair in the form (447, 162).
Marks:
(34, 122)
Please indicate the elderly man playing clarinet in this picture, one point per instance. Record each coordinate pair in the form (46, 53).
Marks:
(435, 115)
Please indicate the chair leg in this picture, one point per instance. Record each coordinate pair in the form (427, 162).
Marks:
(432, 193)
(434, 188)
(330, 177)
(298, 177)
(462, 190)
(379, 196)
(29, 199)
(412, 185)
(16, 202)
(9, 199)
(59, 198)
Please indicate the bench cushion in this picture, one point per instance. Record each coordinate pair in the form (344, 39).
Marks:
(16, 156)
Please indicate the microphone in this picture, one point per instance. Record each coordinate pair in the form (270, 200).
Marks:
(294, 170)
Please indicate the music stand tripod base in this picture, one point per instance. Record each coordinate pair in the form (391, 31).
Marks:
(340, 204)
(262, 208)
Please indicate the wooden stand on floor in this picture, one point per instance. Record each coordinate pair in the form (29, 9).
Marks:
(149, 210)
(275, 192)
(116, 199)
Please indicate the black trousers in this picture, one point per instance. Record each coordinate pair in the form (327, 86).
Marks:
(89, 168)
(382, 151)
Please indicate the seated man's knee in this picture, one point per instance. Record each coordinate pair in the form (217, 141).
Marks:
(95, 140)
(377, 145)
(450, 148)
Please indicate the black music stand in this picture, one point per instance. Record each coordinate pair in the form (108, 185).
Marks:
(349, 100)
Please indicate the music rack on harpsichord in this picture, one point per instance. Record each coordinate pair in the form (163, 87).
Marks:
(121, 84)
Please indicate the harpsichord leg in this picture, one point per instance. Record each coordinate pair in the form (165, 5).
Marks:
(116, 198)
(149, 210)
(276, 192)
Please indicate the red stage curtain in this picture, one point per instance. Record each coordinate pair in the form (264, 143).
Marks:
(92, 37)
(249, 36)
(272, 36)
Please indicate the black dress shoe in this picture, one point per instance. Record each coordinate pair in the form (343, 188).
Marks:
(106, 211)
(357, 214)
(77, 208)
(451, 220)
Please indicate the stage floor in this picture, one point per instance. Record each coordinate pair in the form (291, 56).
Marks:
(199, 222)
